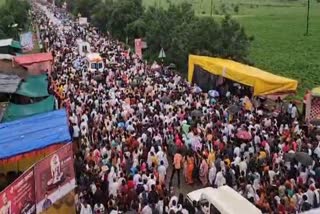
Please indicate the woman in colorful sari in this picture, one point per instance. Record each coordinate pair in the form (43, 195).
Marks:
(190, 168)
(204, 172)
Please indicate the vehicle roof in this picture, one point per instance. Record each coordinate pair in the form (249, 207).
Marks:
(94, 57)
(225, 199)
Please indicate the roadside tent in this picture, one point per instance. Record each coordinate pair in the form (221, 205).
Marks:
(27, 140)
(202, 71)
(15, 111)
(36, 64)
(10, 79)
(34, 86)
(10, 46)
(6, 67)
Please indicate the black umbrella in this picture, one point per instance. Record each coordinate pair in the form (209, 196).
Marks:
(289, 156)
(234, 109)
(165, 99)
(304, 158)
(196, 113)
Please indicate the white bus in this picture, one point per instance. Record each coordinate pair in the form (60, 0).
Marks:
(222, 200)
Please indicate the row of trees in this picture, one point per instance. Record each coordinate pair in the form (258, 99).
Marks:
(14, 18)
(176, 29)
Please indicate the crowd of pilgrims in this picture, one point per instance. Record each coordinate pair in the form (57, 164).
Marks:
(141, 134)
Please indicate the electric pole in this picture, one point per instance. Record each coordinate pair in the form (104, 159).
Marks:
(308, 14)
(211, 9)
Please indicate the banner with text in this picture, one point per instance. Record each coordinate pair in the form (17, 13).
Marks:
(19, 197)
(138, 47)
(54, 177)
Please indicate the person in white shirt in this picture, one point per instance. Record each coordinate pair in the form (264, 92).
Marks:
(99, 208)
(173, 206)
(85, 208)
(76, 131)
(146, 209)
(113, 188)
(220, 179)
(136, 179)
(237, 151)
(159, 205)
(83, 127)
(151, 181)
(212, 174)
(310, 194)
(294, 111)
(173, 201)
(162, 172)
(243, 166)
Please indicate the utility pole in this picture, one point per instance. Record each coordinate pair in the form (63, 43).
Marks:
(211, 8)
(308, 15)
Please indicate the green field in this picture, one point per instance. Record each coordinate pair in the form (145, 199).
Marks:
(278, 27)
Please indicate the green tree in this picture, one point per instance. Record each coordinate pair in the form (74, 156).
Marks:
(168, 29)
(14, 12)
(124, 13)
(85, 7)
(176, 29)
(119, 17)
(102, 12)
(234, 41)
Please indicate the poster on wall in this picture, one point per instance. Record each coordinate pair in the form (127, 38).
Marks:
(19, 197)
(26, 41)
(54, 177)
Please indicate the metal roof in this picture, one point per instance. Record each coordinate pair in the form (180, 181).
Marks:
(9, 83)
(10, 42)
(6, 67)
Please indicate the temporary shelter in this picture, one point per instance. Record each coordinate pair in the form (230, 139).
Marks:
(10, 78)
(25, 141)
(15, 111)
(6, 67)
(36, 64)
(10, 46)
(205, 70)
(34, 86)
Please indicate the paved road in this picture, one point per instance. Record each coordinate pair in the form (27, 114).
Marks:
(184, 187)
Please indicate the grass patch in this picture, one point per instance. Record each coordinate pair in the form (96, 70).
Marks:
(278, 27)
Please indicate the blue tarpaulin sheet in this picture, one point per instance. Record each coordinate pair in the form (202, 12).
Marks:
(33, 133)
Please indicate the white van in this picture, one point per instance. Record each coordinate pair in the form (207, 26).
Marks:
(94, 62)
(222, 200)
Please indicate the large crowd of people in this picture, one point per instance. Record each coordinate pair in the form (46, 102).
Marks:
(138, 132)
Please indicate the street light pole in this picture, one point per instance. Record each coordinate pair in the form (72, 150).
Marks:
(308, 15)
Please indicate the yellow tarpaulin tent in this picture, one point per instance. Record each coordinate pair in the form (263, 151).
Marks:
(263, 83)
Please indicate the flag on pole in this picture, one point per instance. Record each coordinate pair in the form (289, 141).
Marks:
(162, 54)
